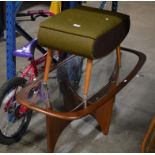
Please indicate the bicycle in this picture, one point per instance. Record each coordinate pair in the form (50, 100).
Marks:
(16, 118)
(19, 116)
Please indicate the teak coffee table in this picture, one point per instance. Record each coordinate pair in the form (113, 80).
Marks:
(94, 35)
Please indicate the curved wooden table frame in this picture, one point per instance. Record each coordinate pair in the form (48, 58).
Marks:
(148, 144)
(101, 109)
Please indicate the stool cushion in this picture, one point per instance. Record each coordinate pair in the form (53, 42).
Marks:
(84, 31)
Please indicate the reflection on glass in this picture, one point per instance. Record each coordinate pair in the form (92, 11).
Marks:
(65, 84)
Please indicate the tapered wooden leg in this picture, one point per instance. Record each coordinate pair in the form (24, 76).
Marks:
(103, 115)
(48, 65)
(118, 51)
(54, 128)
(44, 88)
(89, 66)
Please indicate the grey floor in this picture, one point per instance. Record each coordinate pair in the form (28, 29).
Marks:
(135, 104)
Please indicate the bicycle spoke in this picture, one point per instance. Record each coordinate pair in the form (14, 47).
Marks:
(9, 97)
(10, 127)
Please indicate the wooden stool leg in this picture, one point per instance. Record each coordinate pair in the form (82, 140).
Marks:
(54, 128)
(44, 88)
(87, 79)
(118, 51)
(48, 65)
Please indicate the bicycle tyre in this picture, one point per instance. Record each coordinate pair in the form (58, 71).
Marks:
(6, 87)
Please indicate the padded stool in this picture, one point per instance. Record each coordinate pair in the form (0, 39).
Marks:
(83, 31)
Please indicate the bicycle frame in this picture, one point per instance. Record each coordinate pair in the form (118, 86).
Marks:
(30, 73)
(32, 68)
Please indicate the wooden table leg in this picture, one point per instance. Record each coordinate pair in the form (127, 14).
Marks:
(103, 115)
(54, 128)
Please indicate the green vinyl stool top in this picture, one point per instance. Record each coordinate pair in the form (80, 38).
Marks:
(84, 31)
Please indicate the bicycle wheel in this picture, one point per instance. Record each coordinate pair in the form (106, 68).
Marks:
(14, 117)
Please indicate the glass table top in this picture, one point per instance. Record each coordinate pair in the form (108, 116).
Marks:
(66, 82)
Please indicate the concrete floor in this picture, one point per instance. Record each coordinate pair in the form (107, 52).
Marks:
(135, 103)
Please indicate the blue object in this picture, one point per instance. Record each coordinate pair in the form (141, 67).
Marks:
(73, 4)
(70, 4)
(114, 6)
(11, 9)
(10, 39)
(26, 51)
(11, 117)
(102, 5)
(18, 5)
